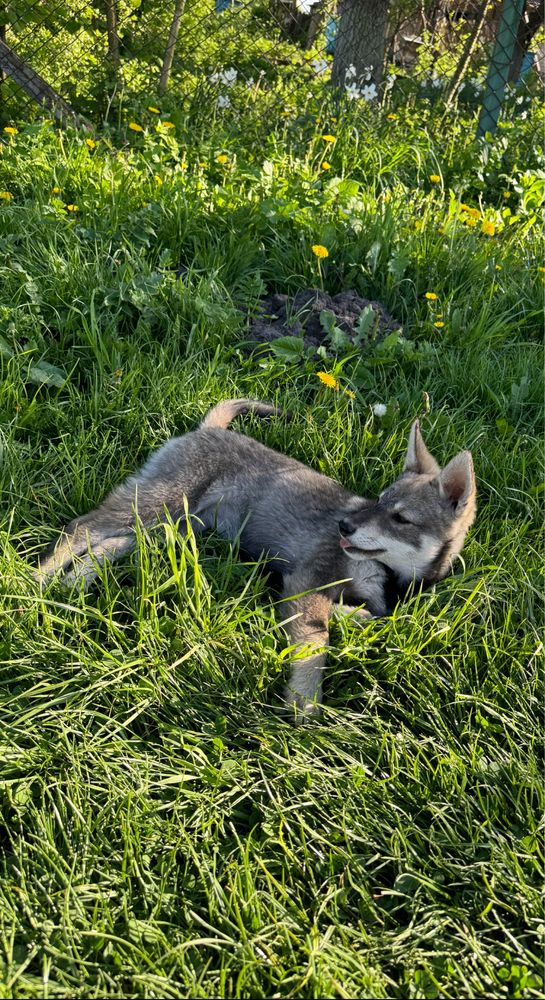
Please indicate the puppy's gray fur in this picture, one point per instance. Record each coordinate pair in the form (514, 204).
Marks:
(327, 543)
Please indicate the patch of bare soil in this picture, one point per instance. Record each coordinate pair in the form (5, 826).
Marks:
(280, 316)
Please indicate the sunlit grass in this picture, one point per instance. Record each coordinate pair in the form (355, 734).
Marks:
(165, 832)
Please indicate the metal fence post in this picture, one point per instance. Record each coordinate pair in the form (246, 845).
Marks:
(498, 70)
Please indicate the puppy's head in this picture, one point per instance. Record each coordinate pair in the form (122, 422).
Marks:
(418, 525)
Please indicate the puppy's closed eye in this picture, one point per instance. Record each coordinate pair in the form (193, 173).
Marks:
(400, 518)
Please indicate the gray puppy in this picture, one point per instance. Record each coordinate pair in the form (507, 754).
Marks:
(328, 544)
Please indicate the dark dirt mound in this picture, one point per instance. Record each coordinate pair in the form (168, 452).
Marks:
(281, 316)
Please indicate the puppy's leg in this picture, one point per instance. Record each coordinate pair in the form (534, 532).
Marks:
(358, 615)
(104, 550)
(86, 546)
(109, 531)
(308, 631)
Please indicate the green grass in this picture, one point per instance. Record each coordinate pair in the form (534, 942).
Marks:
(164, 831)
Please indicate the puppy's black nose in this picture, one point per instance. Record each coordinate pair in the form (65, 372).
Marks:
(346, 528)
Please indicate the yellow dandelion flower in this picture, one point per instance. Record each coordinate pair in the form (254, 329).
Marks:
(72, 208)
(488, 227)
(541, 270)
(431, 296)
(202, 163)
(498, 267)
(320, 251)
(135, 127)
(439, 325)
(10, 130)
(470, 221)
(506, 194)
(350, 394)
(56, 190)
(90, 143)
(329, 138)
(157, 179)
(474, 212)
(168, 124)
(6, 196)
(435, 178)
(326, 165)
(329, 380)
(222, 158)
(154, 111)
(392, 118)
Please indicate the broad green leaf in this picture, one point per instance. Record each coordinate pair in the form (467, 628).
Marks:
(288, 347)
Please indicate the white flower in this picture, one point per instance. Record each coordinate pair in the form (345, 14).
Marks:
(369, 92)
(319, 65)
(352, 91)
(229, 76)
(223, 101)
(305, 6)
(379, 409)
(226, 76)
(350, 72)
(390, 80)
(436, 81)
(250, 82)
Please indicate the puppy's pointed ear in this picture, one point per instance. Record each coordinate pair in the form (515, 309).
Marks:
(418, 458)
(457, 480)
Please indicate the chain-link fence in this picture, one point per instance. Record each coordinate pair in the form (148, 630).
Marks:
(96, 59)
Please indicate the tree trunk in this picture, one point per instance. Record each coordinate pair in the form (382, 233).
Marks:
(293, 22)
(316, 22)
(171, 45)
(472, 41)
(530, 22)
(35, 86)
(113, 38)
(361, 41)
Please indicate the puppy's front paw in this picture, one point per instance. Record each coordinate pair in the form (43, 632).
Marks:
(299, 707)
(359, 616)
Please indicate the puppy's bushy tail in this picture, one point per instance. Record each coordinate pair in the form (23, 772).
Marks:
(226, 411)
